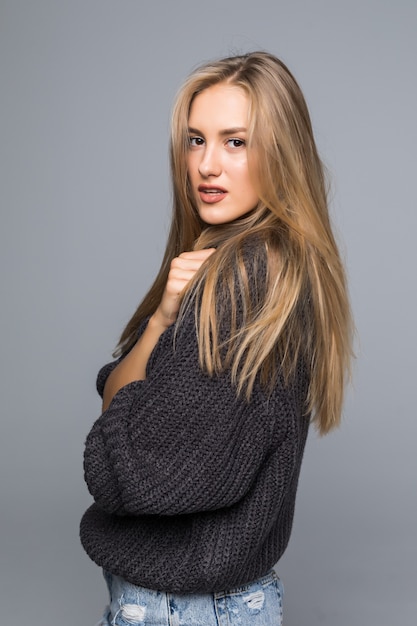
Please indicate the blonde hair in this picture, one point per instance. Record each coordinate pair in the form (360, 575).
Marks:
(303, 315)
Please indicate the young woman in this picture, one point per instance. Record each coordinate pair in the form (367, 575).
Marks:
(242, 340)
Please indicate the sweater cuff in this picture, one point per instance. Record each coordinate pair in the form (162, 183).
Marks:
(98, 473)
(106, 447)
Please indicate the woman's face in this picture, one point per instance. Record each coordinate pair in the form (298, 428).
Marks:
(217, 158)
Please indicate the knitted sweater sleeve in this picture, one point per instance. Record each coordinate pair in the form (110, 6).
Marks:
(180, 441)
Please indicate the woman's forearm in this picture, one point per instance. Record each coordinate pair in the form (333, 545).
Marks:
(133, 366)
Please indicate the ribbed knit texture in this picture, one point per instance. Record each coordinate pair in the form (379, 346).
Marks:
(194, 488)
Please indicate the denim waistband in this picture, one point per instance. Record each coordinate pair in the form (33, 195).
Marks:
(258, 602)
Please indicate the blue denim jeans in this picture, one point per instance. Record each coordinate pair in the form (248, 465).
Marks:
(256, 604)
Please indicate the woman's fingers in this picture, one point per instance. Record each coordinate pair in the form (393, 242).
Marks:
(183, 269)
(192, 260)
(187, 264)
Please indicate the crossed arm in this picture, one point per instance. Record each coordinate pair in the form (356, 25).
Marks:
(133, 366)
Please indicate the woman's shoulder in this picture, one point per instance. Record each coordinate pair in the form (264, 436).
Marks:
(257, 250)
(253, 260)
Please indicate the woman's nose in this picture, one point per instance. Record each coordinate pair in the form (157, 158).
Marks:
(210, 164)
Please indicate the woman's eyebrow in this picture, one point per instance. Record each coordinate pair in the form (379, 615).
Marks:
(226, 131)
(233, 131)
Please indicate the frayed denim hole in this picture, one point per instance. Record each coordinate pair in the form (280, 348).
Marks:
(129, 614)
(254, 601)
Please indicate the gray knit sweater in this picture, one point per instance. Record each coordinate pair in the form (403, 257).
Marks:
(194, 488)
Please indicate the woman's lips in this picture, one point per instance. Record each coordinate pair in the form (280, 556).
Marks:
(211, 194)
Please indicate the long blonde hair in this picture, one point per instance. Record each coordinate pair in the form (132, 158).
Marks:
(304, 314)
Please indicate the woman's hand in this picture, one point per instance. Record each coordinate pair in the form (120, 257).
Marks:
(182, 271)
(133, 366)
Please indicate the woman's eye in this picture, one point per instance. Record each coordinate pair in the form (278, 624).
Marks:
(196, 141)
(235, 143)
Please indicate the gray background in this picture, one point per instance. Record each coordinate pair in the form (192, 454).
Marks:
(86, 91)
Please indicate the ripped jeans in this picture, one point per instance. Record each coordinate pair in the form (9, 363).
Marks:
(256, 604)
